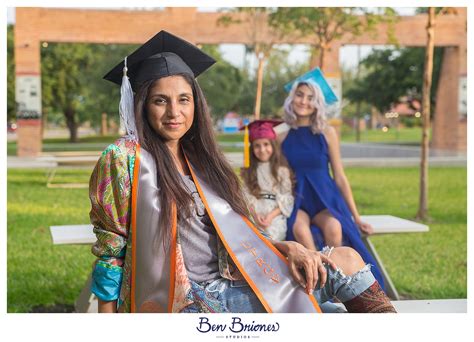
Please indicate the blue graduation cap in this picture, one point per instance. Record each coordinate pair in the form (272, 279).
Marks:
(317, 77)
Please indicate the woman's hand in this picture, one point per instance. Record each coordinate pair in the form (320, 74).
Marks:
(259, 219)
(262, 221)
(306, 266)
(365, 227)
(268, 219)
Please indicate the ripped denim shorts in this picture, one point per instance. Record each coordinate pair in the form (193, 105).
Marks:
(223, 295)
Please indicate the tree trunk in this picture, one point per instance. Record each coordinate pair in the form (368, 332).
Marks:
(258, 97)
(44, 121)
(71, 123)
(322, 53)
(358, 122)
(317, 57)
(358, 102)
(427, 79)
(103, 125)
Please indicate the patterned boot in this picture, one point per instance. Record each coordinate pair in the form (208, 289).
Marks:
(372, 300)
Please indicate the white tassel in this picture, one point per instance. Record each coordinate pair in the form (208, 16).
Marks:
(126, 107)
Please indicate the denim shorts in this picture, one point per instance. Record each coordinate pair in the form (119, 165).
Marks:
(224, 295)
(237, 296)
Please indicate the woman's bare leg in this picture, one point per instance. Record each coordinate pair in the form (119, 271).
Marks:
(301, 230)
(330, 227)
(347, 259)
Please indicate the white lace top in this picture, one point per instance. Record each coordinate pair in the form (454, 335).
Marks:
(280, 197)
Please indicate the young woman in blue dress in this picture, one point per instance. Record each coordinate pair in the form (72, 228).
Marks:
(311, 146)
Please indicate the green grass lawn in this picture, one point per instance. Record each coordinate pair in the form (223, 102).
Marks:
(403, 136)
(422, 265)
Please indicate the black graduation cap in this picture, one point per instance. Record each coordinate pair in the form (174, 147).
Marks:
(161, 56)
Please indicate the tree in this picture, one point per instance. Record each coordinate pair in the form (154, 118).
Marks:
(425, 110)
(222, 84)
(358, 103)
(101, 96)
(11, 104)
(63, 83)
(422, 213)
(388, 74)
(72, 83)
(279, 71)
(328, 24)
(256, 18)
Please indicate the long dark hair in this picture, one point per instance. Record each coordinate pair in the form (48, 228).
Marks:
(277, 160)
(200, 146)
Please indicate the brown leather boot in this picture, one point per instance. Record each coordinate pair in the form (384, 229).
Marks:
(372, 300)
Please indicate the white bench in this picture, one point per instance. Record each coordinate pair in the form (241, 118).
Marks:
(77, 159)
(428, 306)
(382, 224)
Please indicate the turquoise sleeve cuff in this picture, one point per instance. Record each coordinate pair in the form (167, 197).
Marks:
(106, 281)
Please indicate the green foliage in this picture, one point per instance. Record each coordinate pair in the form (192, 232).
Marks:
(101, 96)
(222, 84)
(327, 24)
(11, 105)
(388, 74)
(438, 10)
(411, 122)
(278, 72)
(356, 107)
(63, 67)
(72, 82)
(228, 88)
(423, 265)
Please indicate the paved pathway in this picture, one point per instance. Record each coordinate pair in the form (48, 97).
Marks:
(353, 154)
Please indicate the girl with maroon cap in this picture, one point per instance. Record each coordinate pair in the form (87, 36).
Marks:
(268, 181)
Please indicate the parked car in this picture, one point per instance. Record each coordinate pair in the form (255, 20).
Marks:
(11, 127)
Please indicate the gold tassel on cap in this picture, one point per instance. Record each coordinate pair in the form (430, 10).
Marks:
(246, 148)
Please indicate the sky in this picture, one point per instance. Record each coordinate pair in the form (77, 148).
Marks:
(234, 53)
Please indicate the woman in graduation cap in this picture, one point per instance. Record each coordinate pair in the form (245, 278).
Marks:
(311, 145)
(172, 227)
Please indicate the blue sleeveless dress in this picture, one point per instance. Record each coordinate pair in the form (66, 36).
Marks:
(316, 190)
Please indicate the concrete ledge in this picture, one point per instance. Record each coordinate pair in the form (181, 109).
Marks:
(402, 306)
